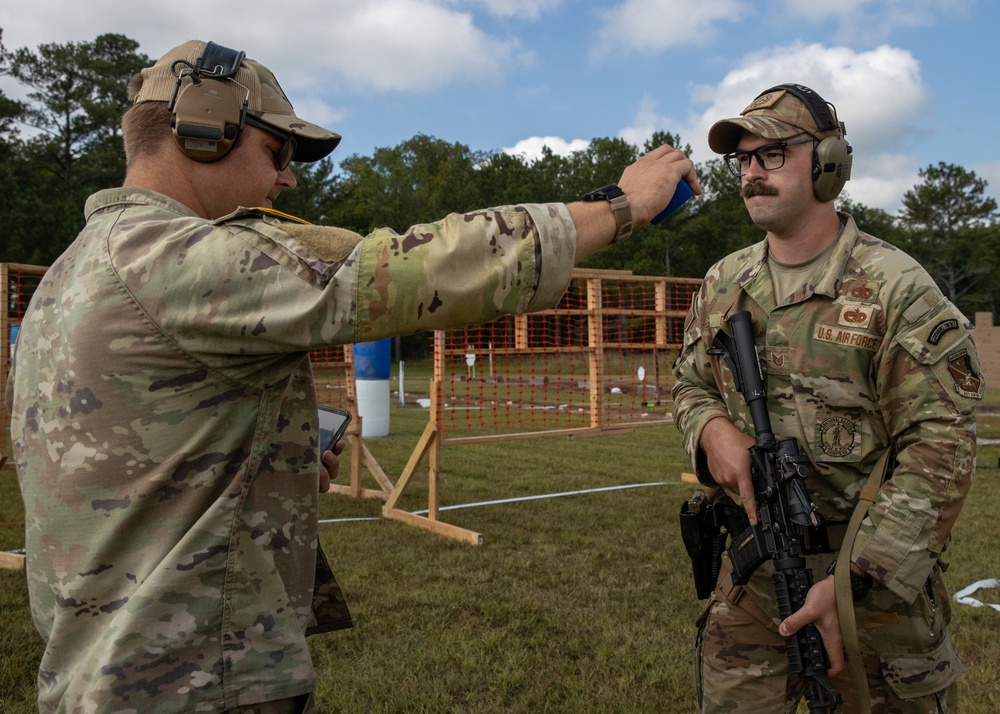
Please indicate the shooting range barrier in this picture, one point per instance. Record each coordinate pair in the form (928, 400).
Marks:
(597, 363)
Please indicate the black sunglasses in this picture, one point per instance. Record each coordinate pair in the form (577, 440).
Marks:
(284, 156)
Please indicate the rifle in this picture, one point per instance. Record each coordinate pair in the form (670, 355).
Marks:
(779, 468)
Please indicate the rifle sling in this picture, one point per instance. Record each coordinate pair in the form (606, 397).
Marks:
(842, 579)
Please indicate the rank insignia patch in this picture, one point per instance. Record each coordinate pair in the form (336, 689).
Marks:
(968, 382)
(854, 315)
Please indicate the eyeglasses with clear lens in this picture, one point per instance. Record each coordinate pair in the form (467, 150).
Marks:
(770, 157)
(284, 155)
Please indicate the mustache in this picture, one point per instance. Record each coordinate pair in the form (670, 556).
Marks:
(758, 189)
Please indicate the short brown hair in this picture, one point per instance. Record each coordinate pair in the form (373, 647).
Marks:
(145, 126)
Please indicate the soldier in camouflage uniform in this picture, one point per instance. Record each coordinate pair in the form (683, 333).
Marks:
(164, 408)
(861, 352)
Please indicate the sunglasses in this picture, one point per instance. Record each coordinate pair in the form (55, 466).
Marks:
(284, 155)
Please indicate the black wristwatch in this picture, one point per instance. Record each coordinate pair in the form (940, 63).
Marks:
(861, 585)
(613, 194)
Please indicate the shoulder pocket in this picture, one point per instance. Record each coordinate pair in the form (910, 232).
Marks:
(940, 338)
(932, 330)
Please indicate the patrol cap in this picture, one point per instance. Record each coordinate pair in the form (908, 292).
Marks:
(776, 114)
(267, 101)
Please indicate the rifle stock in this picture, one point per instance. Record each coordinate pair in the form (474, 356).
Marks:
(779, 469)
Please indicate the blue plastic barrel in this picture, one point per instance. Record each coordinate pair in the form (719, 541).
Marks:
(14, 329)
(372, 362)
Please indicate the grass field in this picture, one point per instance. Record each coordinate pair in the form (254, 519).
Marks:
(578, 603)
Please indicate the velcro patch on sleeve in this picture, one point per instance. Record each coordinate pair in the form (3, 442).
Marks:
(330, 244)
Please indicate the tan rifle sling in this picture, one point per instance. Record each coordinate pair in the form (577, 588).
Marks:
(842, 579)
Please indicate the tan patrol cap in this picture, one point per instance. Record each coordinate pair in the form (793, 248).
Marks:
(267, 101)
(778, 113)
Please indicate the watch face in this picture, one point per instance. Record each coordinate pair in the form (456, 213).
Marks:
(605, 193)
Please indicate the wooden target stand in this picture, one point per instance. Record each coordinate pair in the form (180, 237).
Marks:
(360, 454)
(429, 444)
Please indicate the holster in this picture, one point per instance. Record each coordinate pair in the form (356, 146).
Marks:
(702, 530)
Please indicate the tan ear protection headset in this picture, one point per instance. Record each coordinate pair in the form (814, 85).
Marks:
(207, 117)
(832, 157)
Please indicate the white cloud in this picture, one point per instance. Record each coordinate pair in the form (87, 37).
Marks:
(647, 121)
(386, 45)
(867, 22)
(990, 172)
(314, 109)
(816, 11)
(882, 179)
(531, 148)
(395, 45)
(528, 9)
(653, 25)
(879, 95)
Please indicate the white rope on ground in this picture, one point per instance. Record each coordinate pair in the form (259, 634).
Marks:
(521, 498)
(962, 596)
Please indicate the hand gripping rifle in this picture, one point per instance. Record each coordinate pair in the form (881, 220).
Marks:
(784, 509)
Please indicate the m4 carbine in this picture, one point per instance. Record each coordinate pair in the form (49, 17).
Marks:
(779, 468)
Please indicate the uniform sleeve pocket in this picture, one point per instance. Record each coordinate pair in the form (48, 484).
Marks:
(934, 334)
(912, 676)
(940, 340)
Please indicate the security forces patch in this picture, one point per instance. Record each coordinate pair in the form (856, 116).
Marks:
(837, 436)
(940, 329)
(968, 382)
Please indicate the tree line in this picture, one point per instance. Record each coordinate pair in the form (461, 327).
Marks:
(63, 142)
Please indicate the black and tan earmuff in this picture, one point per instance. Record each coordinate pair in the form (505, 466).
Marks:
(832, 156)
(207, 116)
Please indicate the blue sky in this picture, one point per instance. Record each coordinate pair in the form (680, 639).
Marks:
(915, 81)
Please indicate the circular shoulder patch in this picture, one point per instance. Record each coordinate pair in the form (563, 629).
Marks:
(837, 436)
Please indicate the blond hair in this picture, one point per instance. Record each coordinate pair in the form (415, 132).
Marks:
(145, 126)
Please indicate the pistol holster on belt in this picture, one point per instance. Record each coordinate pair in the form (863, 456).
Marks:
(704, 529)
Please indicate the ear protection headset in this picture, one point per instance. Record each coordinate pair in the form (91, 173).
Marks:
(207, 117)
(832, 157)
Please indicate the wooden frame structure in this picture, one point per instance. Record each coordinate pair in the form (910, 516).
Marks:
(432, 440)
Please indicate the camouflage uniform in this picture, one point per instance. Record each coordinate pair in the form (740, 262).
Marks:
(165, 431)
(868, 354)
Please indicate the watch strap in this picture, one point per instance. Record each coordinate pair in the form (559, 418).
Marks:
(620, 207)
(623, 217)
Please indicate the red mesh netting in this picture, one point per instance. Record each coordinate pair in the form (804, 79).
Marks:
(600, 359)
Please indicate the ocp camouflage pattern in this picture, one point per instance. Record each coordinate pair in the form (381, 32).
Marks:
(868, 354)
(165, 431)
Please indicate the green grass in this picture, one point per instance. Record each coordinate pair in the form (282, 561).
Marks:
(581, 603)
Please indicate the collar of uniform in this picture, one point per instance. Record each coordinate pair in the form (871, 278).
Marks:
(829, 282)
(133, 196)
(753, 259)
(837, 265)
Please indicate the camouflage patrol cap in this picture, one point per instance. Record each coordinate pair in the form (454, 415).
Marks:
(267, 101)
(779, 113)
